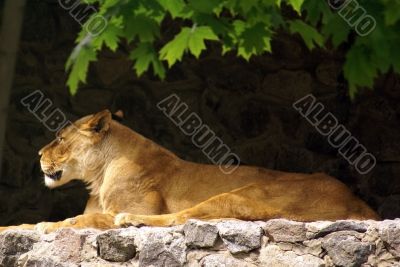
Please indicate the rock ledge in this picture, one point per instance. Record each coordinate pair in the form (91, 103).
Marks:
(197, 243)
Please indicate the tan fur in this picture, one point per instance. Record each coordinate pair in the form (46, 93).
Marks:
(134, 181)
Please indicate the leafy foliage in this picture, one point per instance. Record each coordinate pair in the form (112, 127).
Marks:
(310, 35)
(191, 39)
(243, 26)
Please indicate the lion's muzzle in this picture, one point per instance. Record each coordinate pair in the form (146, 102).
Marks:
(56, 176)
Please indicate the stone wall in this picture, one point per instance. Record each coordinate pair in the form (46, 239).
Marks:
(197, 243)
(248, 105)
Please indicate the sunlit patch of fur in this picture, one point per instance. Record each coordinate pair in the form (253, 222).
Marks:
(92, 164)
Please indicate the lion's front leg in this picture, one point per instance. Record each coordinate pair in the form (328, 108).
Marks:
(95, 220)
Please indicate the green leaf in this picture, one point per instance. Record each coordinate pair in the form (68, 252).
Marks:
(271, 2)
(296, 4)
(227, 44)
(159, 69)
(254, 41)
(239, 26)
(173, 51)
(379, 42)
(174, 7)
(144, 55)
(218, 25)
(232, 6)
(142, 26)
(78, 64)
(153, 7)
(188, 38)
(358, 69)
(309, 34)
(204, 6)
(317, 10)
(247, 5)
(110, 36)
(109, 3)
(337, 29)
(197, 37)
(254, 16)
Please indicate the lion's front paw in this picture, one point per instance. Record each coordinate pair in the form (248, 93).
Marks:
(45, 227)
(126, 219)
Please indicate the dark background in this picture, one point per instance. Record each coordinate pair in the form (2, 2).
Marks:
(248, 105)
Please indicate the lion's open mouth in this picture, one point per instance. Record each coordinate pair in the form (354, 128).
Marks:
(54, 176)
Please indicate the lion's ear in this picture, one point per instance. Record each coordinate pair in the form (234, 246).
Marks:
(99, 123)
(118, 116)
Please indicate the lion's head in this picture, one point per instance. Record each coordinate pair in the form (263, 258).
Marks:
(76, 151)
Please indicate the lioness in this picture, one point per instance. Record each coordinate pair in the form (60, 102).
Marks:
(134, 181)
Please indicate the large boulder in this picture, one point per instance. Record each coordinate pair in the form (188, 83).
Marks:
(15, 243)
